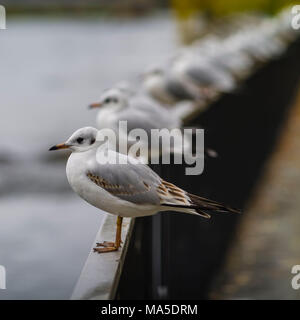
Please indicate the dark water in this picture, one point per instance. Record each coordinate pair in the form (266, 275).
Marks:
(50, 70)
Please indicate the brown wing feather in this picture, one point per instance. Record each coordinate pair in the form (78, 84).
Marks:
(172, 195)
(116, 189)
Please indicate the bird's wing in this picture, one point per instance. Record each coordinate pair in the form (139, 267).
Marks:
(148, 116)
(138, 184)
(135, 183)
(178, 90)
(217, 78)
(203, 77)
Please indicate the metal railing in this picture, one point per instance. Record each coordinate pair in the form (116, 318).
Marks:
(177, 256)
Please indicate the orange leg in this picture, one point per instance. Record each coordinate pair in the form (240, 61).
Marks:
(111, 246)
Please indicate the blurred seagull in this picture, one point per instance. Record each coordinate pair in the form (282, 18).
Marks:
(125, 190)
(222, 54)
(200, 73)
(140, 112)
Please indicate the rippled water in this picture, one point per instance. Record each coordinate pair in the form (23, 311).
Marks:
(50, 70)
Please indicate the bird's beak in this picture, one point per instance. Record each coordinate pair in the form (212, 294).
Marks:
(59, 146)
(95, 105)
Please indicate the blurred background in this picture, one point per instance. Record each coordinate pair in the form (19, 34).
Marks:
(55, 58)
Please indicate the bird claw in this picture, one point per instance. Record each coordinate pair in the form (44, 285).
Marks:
(105, 244)
(108, 246)
(105, 249)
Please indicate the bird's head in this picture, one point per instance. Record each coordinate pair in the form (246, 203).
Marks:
(81, 140)
(116, 97)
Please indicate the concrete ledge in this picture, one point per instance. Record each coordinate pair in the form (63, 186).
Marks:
(100, 276)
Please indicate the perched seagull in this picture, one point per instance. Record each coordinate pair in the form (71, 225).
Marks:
(200, 73)
(125, 190)
(223, 54)
(139, 111)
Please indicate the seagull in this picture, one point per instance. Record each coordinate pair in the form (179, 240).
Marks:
(200, 73)
(140, 112)
(223, 54)
(130, 189)
(116, 104)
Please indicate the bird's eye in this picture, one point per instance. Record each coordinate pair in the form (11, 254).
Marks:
(93, 140)
(107, 100)
(79, 140)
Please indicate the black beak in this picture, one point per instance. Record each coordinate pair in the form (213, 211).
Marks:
(59, 146)
(53, 148)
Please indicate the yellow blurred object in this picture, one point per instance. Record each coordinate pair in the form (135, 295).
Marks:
(186, 9)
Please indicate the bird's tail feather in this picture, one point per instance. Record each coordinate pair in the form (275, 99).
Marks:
(210, 205)
(202, 206)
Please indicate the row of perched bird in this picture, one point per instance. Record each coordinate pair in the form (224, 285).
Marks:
(196, 75)
(193, 78)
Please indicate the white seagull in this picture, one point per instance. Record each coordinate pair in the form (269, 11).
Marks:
(140, 112)
(199, 72)
(125, 190)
